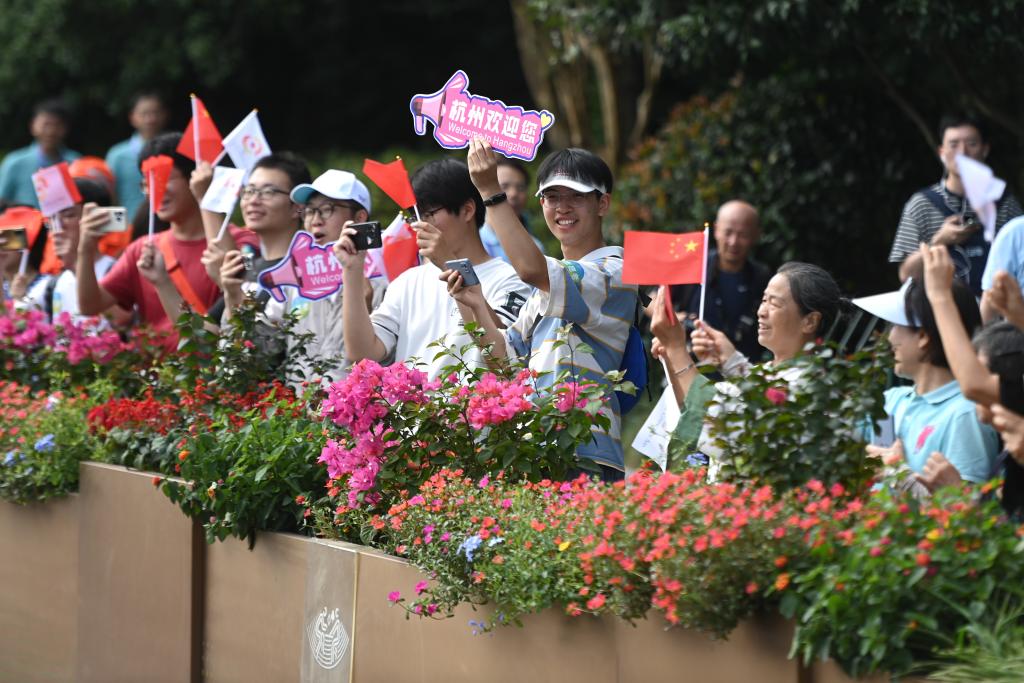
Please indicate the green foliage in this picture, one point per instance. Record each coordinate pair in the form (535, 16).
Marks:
(902, 580)
(784, 434)
(991, 651)
(42, 440)
(256, 477)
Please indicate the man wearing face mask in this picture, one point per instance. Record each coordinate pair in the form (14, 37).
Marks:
(940, 214)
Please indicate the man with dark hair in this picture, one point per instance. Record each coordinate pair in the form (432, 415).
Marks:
(583, 291)
(48, 127)
(270, 213)
(155, 276)
(416, 310)
(735, 282)
(940, 214)
(148, 116)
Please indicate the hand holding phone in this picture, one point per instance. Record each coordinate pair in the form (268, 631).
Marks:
(117, 219)
(13, 239)
(368, 236)
(464, 268)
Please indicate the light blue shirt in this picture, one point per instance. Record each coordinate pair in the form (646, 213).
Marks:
(492, 245)
(1007, 254)
(123, 160)
(942, 420)
(17, 168)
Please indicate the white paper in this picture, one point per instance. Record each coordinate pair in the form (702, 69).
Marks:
(652, 439)
(983, 190)
(223, 192)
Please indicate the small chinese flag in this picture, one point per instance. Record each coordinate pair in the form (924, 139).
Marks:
(210, 142)
(156, 171)
(663, 258)
(393, 179)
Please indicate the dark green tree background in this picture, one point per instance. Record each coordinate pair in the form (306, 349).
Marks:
(823, 114)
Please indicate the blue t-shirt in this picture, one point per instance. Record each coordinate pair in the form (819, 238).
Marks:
(17, 168)
(942, 420)
(1007, 254)
(123, 160)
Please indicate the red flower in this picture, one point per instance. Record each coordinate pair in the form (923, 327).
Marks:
(776, 395)
(596, 602)
(923, 559)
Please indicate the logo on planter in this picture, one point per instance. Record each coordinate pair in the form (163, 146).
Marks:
(327, 638)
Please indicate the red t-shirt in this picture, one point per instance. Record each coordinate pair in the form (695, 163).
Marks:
(124, 282)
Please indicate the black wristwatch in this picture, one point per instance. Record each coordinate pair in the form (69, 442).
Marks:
(495, 199)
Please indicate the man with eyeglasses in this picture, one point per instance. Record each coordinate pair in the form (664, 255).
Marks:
(584, 290)
(155, 276)
(940, 214)
(334, 199)
(416, 310)
(513, 179)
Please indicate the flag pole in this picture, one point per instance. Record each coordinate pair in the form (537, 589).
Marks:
(57, 227)
(227, 218)
(219, 157)
(195, 128)
(23, 266)
(704, 272)
(152, 209)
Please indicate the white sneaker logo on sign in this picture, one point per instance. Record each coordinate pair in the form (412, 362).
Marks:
(327, 638)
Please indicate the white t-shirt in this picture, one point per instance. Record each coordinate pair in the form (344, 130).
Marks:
(65, 293)
(417, 311)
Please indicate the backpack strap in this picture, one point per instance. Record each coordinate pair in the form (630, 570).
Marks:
(174, 269)
(937, 201)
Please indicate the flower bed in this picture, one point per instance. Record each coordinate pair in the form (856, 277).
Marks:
(462, 477)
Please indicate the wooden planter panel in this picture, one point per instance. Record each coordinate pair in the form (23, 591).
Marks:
(254, 609)
(137, 552)
(39, 599)
(388, 647)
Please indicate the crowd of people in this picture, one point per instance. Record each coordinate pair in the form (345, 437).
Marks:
(955, 324)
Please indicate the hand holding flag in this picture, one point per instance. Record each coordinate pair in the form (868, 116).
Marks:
(157, 171)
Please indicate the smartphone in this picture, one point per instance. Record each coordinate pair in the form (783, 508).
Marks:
(117, 219)
(368, 236)
(465, 269)
(13, 239)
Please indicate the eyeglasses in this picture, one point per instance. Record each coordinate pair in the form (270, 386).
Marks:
(324, 211)
(427, 216)
(264, 193)
(573, 199)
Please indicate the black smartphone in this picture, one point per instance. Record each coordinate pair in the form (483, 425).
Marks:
(368, 235)
(13, 239)
(465, 269)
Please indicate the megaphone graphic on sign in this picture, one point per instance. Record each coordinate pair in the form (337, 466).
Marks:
(284, 273)
(432, 107)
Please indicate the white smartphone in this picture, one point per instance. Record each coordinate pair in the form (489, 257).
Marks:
(117, 219)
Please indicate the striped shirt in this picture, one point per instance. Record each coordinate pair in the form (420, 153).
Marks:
(589, 295)
(921, 220)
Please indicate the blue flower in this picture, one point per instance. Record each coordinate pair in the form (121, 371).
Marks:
(495, 541)
(45, 444)
(10, 459)
(477, 626)
(469, 546)
(696, 459)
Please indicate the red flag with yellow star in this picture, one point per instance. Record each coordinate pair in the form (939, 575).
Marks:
(663, 258)
(201, 135)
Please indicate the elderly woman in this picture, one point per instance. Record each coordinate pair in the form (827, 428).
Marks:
(800, 304)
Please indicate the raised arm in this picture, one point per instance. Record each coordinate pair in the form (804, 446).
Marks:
(521, 250)
(92, 299)
(976, 382)
(670, 344)
(360, 339)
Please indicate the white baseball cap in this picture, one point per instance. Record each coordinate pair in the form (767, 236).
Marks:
(336, 185)
(890, 307)
(562, 180)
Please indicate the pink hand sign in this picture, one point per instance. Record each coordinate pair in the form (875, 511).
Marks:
(458, 117)
(309, 267)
